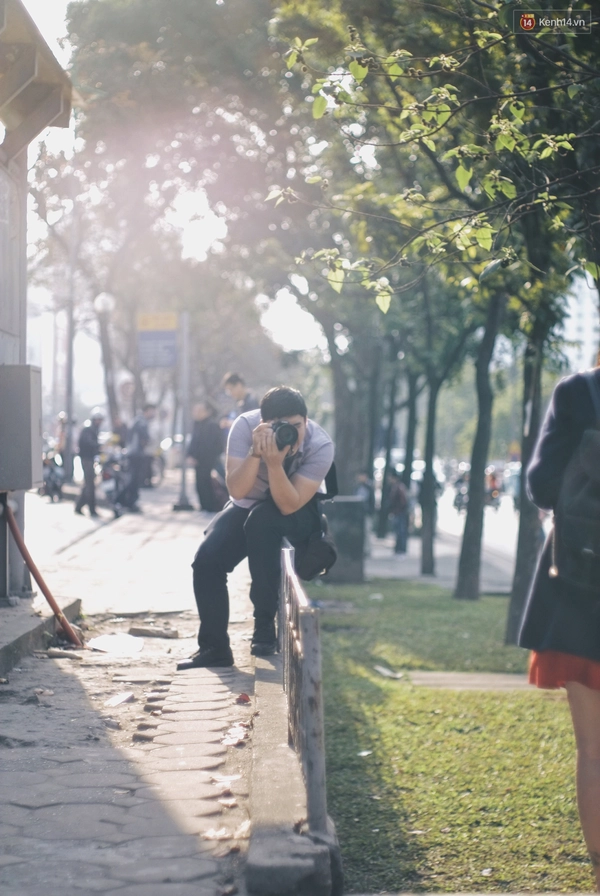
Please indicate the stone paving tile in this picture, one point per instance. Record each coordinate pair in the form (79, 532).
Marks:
(166, 890)
(186, 789)
(192, 713)
(183, 738)
(187, 751)
(200, 763)
(166, 871)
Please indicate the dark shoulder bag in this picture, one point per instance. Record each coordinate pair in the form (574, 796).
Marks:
(316, 556)
(576, 533)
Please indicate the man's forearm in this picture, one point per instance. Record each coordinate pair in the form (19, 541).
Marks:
(282, 490)
(241, 480)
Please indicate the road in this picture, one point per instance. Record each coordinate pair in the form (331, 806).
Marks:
(500, 528)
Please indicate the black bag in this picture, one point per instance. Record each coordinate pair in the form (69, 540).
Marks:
(316, 556)
(576, 534)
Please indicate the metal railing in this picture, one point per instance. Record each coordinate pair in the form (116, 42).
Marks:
(301, 650)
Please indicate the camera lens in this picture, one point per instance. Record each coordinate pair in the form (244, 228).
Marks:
(285, 434)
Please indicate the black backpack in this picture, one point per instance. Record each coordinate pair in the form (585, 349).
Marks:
(576, 534)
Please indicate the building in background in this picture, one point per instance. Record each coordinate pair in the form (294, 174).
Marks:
(35, 93)
(581, 330)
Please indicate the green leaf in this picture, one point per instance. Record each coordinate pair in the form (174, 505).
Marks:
(484, 237)
(395, 70)
(358, 71)
(505, 141)
(383, 300)
(593, 269)
(429, 143)
(490, 268)
(508, 188)
(314, 179)
(335, 279)
(573, 90)
(311, 41)
(292, 58)
(274, 194)
(319, 106)
(518, 109)
(463, 176)
(545, 153)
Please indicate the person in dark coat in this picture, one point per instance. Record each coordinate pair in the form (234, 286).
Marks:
(561, 622)
(88, 449)
(204, 450)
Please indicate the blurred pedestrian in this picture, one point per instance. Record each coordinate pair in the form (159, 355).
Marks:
(89, 448)
(203, 452)
(561, 621)
(245, 400)
(398, 510)
(366, 491)
(137, 442)
(120, 432)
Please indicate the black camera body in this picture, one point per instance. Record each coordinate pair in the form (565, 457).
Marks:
(285, 434)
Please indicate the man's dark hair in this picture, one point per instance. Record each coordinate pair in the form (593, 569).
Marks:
(282, 401)
(232, 379)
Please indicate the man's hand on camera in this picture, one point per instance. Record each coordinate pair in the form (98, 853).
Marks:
(265, 445)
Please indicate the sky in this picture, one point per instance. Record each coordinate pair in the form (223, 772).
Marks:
(290, 326)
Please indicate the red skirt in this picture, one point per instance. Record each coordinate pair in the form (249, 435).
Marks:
(552, 669)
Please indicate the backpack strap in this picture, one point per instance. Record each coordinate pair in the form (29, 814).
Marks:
(594, 388)
(331, 483)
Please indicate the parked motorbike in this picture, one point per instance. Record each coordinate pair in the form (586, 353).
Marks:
(116, 479)
(53, 476)
(461, 498)
(492, 498)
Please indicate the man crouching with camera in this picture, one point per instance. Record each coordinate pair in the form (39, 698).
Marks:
(276, 461)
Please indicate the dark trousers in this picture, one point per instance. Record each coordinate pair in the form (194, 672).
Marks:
(401, 530)
(88, 492)
(235, 533)
(137, 471)
(205, 490)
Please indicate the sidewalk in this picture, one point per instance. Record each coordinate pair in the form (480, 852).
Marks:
(120, 775)
(117, 773)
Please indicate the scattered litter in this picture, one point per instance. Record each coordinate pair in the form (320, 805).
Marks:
(365, 753)
(224, 779)
(375, 596)
(229, 802)
(222, 851)
(486, 872)
(57, 654)
(143, 736)
(112, 723)
(445, 830)
(156, 712)
(417, 832)
(236, 735)
(243, 698)
(117, 645)
(118, 699)
(243, 832)
(151, 631)
(387, 673)
(3, 680)
(227, 890)
(220, 834)
(44, 692)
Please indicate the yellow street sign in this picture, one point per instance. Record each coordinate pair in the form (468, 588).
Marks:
(158, 320)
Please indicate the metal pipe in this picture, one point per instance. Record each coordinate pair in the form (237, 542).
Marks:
(60, 616)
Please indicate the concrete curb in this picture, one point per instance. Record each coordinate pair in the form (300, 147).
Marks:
(28, 636)
(281, 861)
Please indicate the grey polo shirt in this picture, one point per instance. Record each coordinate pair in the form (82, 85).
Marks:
(312, 459)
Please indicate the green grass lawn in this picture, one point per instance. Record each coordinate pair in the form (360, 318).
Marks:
(437, 790)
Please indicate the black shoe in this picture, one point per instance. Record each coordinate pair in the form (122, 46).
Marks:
(264, 648)
(207, 657)
(264, 640)
(94, 514)
(79, 511)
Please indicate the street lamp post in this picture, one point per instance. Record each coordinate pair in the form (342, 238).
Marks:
(184, 372)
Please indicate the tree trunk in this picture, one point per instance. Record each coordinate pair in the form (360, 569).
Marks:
(411, 428)
(529, 524)
(352, 417)
(469, 565)
(108, 364)
(389, 440)
(428, 495)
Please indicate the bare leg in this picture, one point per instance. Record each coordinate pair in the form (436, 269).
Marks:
(585, 712)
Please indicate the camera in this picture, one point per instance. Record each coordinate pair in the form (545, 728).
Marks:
(285, 434)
